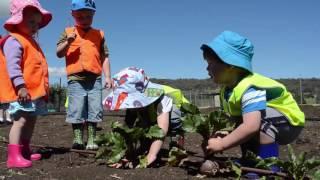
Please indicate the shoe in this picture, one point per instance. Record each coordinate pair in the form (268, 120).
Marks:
(15, 158)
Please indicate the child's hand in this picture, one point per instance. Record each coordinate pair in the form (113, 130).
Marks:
(151, 158)
(108, 84)
(215, 145)
(23, 96)
(71, 37)
(220, 134)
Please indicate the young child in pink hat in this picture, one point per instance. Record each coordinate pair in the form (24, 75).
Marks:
(24, 77)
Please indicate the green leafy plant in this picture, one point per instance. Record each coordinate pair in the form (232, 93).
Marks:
(124, 142)
(297, 167)
(262, 163)
(143, 161)
(204, 124)
(112, 147)
(236, 169)
(316, 175)
(176, 156)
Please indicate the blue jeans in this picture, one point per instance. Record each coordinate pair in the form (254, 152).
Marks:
(85, 101)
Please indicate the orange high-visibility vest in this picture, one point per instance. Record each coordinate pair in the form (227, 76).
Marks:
(34, 70)
(84, 52)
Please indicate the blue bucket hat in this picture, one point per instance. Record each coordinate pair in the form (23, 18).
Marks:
(83, 4)
(232, 49)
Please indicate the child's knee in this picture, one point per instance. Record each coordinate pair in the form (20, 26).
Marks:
(21, 122)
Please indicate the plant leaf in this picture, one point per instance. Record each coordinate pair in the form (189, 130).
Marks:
(188, 124)
(237, 170)
(316, 175)
(102, 152)
(312, 163)
(189, 109)
(176, 155)
(155, 132)
(301, 158)
(143, 162)
(292, 156)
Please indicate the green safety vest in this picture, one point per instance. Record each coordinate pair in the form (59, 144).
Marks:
(176, 95)
(277, 97)
(177, 99)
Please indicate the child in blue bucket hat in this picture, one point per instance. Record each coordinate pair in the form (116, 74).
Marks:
(151, 104)
(265, 112)
(87, 58)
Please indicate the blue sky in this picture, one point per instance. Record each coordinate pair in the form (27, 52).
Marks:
(164, 37)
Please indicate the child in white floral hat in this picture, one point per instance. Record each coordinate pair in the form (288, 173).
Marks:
(134, 92)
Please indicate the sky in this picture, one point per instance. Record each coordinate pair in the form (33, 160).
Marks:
(164, 37)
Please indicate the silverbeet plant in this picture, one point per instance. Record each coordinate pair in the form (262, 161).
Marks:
(124, 142)
(204, 124)
(297, 166)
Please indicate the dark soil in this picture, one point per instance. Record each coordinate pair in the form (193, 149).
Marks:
(59, 164)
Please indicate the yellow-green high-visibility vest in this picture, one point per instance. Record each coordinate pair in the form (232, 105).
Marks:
(177, 99)
(277, 97)
(176, 95)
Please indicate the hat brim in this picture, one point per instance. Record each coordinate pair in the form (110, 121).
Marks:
(83, 8)
(18, 18)
(229, 55)
(133, 100)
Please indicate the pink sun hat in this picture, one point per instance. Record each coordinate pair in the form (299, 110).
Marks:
(16, 10)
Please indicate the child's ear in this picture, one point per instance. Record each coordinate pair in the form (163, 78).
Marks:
(73, 13)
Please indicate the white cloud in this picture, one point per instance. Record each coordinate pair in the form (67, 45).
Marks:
(4, 8)
(57, 71)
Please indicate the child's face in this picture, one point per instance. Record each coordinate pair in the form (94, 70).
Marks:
(83, 18)
(217, 70)
(31, 21)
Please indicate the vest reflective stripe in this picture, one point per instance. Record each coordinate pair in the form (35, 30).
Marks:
(283, 102)
(84, 52)
(34, 71)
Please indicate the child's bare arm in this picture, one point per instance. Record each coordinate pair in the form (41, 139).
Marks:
(249, 127)
(163, 123)
(107, 72)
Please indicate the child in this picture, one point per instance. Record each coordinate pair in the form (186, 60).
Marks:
(86, 57)
(150, 102)
(4, 114)
(266, 113)
(24, 77)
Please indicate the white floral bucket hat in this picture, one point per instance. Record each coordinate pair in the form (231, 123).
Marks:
(132, 89)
